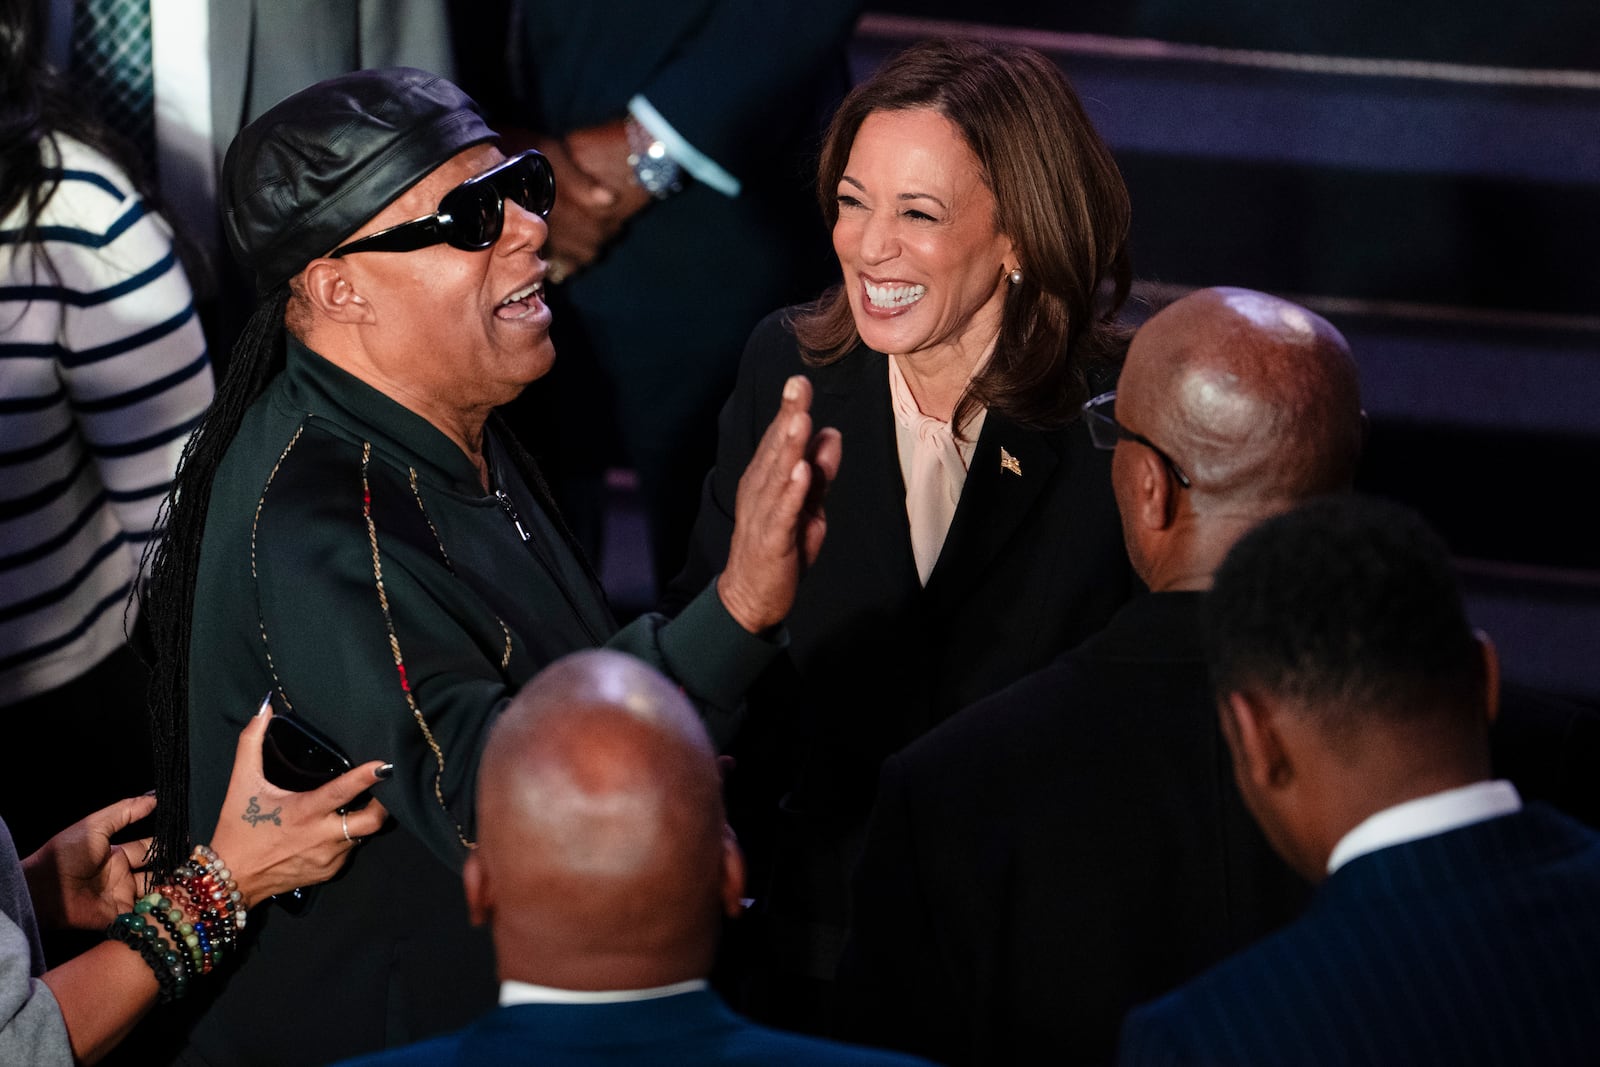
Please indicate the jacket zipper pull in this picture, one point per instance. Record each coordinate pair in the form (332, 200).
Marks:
(511, 513)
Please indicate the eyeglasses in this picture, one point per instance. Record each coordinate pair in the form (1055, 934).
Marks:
(471, 215)
(1105, 431)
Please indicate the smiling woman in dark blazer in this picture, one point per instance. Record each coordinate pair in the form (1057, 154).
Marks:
(980, 224)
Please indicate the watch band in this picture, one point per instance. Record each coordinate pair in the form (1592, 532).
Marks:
(655, 171)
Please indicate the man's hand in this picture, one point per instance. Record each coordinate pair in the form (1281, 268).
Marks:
(779, 521)
(595, 195)
(602, 153)
(78, 878)
(581, 222)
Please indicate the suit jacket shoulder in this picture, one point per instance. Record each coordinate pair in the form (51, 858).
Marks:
(688, 1028)
(1476, 946)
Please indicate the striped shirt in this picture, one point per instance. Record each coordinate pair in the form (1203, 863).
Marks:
(103, 374)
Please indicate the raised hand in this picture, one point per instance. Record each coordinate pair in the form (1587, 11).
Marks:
(778, 521)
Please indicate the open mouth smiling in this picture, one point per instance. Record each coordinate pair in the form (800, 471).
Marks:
(889, 297)
(522, 301)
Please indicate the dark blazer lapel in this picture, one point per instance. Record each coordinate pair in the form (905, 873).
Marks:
(867, 504)
(1010, 468)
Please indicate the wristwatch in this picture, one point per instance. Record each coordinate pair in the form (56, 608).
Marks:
(655, 171)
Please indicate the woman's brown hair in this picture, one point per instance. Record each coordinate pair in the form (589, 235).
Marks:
(1061, 200)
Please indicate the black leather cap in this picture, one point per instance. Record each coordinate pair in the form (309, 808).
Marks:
(312, 170)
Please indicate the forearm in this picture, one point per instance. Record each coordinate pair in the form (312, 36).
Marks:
(708, 653)
(102, 994)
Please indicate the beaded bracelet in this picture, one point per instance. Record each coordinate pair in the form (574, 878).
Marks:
(144, 938)
(155, 905)
(202, 911)
(220, 932)
(208, 878)
(196, 934)
(213, 938)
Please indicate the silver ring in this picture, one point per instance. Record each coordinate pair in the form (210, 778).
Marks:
(345, 825)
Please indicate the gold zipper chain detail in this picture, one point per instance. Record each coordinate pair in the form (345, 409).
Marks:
(255, 579)
(505, 655)
(394, 643)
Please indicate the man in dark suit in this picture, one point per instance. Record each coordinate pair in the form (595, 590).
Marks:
(1454, 924)
(604, 869)
(1073, 845)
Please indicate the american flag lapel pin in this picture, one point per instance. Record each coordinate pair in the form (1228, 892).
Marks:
(1008, 462)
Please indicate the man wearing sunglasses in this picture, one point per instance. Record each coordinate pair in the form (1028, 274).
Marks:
(353, 531)
(1074, 844)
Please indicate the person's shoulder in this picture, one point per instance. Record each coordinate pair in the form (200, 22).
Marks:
(1159, 1033)
(295, 449)
(92, 196)
(773, 338)
(296, 480)
(752, 1044)
(1187, 1024)
(81, 162)
(771, 356)
(421, 1054)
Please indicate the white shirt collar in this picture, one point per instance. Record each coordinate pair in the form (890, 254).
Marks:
(527, 993)
(1425, 817)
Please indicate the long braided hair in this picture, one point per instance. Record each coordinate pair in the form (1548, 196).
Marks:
(172, 564)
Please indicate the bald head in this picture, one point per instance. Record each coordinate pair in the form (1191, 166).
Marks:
(1255, 398)
(601, 861)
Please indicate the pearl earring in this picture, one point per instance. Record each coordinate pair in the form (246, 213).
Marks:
(1015, 277)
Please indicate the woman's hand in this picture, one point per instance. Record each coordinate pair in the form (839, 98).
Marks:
(274, 840)
(80, 879)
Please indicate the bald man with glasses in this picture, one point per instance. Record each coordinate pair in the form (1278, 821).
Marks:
(1075, 845)
(353, 531)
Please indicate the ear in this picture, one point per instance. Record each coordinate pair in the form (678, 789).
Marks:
(332, 295)
(1258, 752)
(480, 898)
(732, 876)
(1009, 261)
(1155, 503)
(1491, 674)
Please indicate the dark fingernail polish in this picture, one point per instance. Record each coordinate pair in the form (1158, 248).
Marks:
(384, 773)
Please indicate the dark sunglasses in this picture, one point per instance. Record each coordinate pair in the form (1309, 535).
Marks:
(472, 214)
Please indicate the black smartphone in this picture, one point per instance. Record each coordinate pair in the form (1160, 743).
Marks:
(297, 756)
